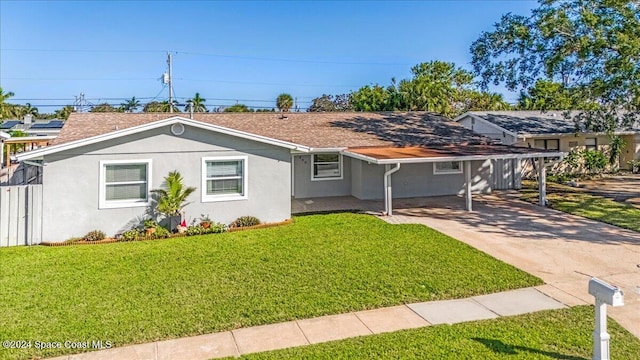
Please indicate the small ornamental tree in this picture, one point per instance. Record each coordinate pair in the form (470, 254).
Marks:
(172, 198)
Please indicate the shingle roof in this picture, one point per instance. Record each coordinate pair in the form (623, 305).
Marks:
(529, 122)
(316, 130)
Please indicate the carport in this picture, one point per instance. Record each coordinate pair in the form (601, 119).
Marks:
(393, 158)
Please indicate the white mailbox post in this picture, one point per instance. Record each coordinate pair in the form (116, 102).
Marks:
(605, 294)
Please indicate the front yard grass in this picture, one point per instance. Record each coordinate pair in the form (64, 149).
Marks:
(578, 202)
(137, 292)
(556, 334)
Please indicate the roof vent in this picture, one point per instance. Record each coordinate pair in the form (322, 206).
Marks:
(115, 127)
(283, 116)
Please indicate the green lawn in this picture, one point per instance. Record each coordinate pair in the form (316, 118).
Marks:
(322, 264)
(577, 202)
(557, 334)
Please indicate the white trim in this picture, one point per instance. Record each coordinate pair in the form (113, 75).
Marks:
(447, 172)
(486, 122)
(157, 124)
(340, 165)
(226, 197)
(293, 175)
(103, 203)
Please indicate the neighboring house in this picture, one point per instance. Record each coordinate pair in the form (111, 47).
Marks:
(545, 130)
(33, 127)
(99, 171)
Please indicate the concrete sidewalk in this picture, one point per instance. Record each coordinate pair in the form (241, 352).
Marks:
(333, 327)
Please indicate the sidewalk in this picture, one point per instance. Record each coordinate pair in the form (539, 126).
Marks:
(332, 327)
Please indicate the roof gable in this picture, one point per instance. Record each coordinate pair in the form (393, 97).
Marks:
(118, 133)
(529, 122)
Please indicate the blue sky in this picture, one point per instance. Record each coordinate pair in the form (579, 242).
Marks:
(249, 52)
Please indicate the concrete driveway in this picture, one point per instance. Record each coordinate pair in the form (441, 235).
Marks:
(562, 249)
(622, 188)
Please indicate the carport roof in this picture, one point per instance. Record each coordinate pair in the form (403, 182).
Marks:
(417, 154)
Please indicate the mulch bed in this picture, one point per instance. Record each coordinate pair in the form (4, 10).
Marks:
(112, 240)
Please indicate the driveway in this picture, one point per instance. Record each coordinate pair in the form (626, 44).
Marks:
(623, 188)
(562, 249)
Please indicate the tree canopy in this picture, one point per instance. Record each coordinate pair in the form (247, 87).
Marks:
(330, 103)
(103, 107)
(238, 108)
(7, 110)
(130, 105)
(284, 102)
(435, 86)
(197, 103)
(590, 47)
(160, 106)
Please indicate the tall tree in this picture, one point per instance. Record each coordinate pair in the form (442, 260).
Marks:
(330, 103)
(157, 106)
(370, 98)
(548, 95)
(479, 101)
(103, 107)
(131, 105)
(238, 108)
(591, 47)
(20, 111)
(284, 102)
(6, 110)
(197, 104)
(64, 112)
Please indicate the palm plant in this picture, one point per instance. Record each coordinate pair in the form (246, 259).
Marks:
(284, 102)
(6, 110)
(130, 105)
(196, 104)
(172, 198)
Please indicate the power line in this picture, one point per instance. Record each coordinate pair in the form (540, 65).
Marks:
(255, 58)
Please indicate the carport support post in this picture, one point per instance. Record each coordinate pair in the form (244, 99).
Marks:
(467, 186)
(542, 182)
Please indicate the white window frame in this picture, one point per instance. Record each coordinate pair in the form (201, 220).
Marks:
(225, 197)
(437, 171)
(103, 203)
(546, 143)
(591, 147)
(340, 164)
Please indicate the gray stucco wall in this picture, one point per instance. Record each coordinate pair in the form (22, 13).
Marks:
(415, 180)
(71, 180)
(304, 187)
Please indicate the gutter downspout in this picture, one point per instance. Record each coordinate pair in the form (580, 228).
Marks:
(387, 189)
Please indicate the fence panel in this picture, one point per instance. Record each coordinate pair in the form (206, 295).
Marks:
(20, 215)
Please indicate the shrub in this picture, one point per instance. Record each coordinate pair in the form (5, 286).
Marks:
(217, 228)
(94, 235)
(72, 240)
(195, 230)
(245, 221)
(161, 233)
(150, 223)
(595, 161)
(634, 165)
(131, 235)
